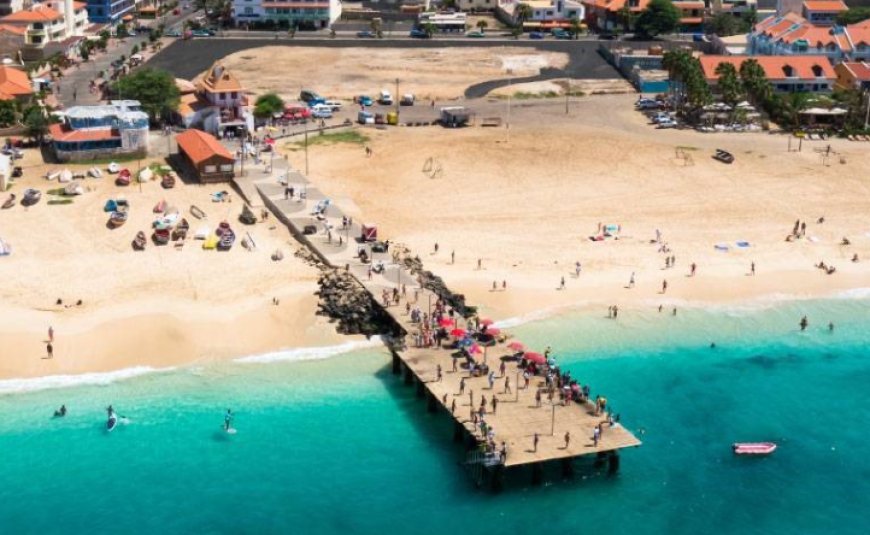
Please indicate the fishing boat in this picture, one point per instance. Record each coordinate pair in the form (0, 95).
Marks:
(247, 217)
(753, 448)
(10, 202)
(180, 230)
(123, 178)
(160, 236)
(112, 421)
(145, 175)
(140, 241)
(197, 212)
(168, 181)
(114, 168)
(228, 238)
(117, 219)
(94, 172)
(66, 176)
(160, 207)
(53, 174)
(31, 197)
(73, 188)
(723, 156)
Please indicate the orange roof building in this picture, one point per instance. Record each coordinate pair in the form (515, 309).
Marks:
(14, 84)
(204, 157)
(787, 74)
(794, 35)
(606, 14)
(853, 75)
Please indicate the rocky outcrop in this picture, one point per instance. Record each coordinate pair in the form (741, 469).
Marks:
(344, 300)
(436, 284)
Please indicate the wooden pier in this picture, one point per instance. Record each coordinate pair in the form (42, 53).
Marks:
(517, 418)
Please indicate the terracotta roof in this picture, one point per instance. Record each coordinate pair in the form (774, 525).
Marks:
(219, 79)
(774, 25)
(80, 5)
(691, 20)
(13, 83)
(859, 69)
(860, 35)
(190, 103)
(200, 146)
(774, 66)
(615, 5)
(35, 14)
(61, 133)
(688, 4)
(825, 5)
(17, 30)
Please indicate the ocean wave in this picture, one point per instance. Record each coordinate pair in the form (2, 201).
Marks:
(539, 315)
(309, 353)
(853, 293)
(14, 386)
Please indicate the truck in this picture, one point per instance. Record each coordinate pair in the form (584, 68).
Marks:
(385, 98)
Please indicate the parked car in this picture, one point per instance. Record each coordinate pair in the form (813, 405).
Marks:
(419, 34)
(334, 105)
(202, 33)
(536, 35)
(661, 117)
(364, 100)
(366, 34)
(669, 123)
(321, 111)
(607, 36)
(174, 32)
(647, 104)
(385, 98)
(475, 34)
(297, 112)
(559, 33)
(407, 100)
(311, 97)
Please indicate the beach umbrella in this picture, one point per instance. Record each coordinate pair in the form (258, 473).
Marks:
(537, 358)
(475, 349)
(493, 331)
(457, 332)
(516, 345)
(486, 322)
(445, 322)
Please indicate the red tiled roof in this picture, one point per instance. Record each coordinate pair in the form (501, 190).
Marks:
(35, 14)
(859, 69)
(691, 20)
(615, 5)
(773, 66)
(17, 30)
(13, 83)
(61, 133)
(200, 146)
(825, 5)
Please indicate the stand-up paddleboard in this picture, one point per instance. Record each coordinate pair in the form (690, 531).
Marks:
(230, 431)
(112, 422)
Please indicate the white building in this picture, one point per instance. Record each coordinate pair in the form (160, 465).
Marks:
(50, 22)
(546, 14)
(296, 13)
(444, 22)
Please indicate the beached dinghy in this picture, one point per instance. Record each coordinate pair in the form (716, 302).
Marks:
(10, 202)
(74, 188)
(123, 177)
(160, 207)
(114, 168)
(161, 236)
(65, 177)
(228, 238)
(145, 175)
(53, 174)
(180, 230)
(168, 181)
(140, 241)
(31, 197)
(197, 212)
(94, 172)
(247, 216)
(753, 448)
(723, 156)
(117, 219)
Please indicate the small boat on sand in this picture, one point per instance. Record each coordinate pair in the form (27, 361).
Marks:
(168, 181)
(180, 230)
(197, 212)
(140, 241)
(123, 178)
(74, 188)
(31, 197)
(145, 175)
(117, 219)
(52, 174)
(227, 239)
(723, 156)
(161, 236)
(160, 207)
(753, 448)
(10, 202)
(114, 168)
(65, 177)
(95, 172)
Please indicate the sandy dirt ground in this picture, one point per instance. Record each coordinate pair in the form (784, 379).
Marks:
(343, 73)
(160, 306)
(526, 201)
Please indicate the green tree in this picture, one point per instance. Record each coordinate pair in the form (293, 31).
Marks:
(626, 17)
(135, 49)
(786, 110)
(85, 53)
(853, 15)
(729, 83)
(430, 29)
(482, 25)
(724, 25)
(36, 123)
(576, 26)
(122, 32)
(659, 17)
(8, 113)
(687, 79)
(267, 105)
(155, 89)
(755, 82)
(522, 14)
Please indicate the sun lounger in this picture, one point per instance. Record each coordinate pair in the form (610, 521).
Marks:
(742, 244)
(721, 247)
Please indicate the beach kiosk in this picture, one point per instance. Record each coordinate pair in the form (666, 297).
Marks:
(369, 233)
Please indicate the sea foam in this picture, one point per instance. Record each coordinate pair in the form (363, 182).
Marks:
(11, 386)
(309, 353)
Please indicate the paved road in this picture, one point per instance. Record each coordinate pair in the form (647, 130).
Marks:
(76, 81)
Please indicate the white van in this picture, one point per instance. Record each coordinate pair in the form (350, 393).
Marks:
(385, 98)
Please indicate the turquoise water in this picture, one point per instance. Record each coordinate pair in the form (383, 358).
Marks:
(341, 446)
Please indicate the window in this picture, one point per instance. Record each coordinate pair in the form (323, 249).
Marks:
(788, 71)
(209, 169)
(817, 71)
(234, 94)
(227, 167)
(249, 10)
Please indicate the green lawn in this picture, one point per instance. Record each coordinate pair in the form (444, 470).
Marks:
(330, 138)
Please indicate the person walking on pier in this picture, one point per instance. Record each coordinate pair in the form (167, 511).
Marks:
(491, 379)
(752, 268)
(596, 435)
(439, 373)
(452, 257)
(664, 286)
(461, 385)
(494, 404)
(454, 365)
(631, 280)
(692, 269)
(483, 403)
(453, 407)
(501, 369)
(507, 385)
(535, 443)
(567, 439)
(537, 398)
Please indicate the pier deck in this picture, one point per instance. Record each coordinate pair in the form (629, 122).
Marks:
(517, 417)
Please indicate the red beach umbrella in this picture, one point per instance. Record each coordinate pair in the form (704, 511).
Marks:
(493, 331)
(475, 349)
(486, 322)
(537, 358)
(445, 322)
(457, 332)
(517, 346)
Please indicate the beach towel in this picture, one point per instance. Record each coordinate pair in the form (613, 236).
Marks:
(721, 247)
(813, 239)
(742, 244)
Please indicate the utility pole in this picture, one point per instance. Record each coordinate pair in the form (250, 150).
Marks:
(510, 92)
(567, 94)
(306, 148)
(396, 98)
(867, 113)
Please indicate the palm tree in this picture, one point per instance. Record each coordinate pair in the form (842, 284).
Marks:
(729, 83)
(482, 25)
(522, 13)
(576, 26)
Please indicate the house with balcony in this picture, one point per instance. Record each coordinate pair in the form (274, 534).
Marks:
(8, 7)
(793, 35)
(853, 75)
(109, 11)
(15, 85)
(314, 14)
(610, 15)
(218, 105)
(550, 14)
(47, 29)
(823, 12)
(787, 74)
(106, 131)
